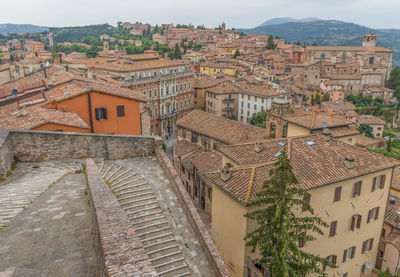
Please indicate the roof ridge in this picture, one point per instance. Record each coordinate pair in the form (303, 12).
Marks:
(250, 186)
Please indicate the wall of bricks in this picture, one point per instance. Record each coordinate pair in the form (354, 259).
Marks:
(192, 214)
(35, 146)
(6, 153)
(118, 249)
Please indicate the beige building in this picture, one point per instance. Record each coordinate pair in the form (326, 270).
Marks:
(376, 124)
(222, 100)
(349, 189)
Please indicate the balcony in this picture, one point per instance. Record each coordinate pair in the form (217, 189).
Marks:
(168, 115)
(228, 100)
(228, 109)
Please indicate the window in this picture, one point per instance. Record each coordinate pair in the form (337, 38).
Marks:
(101, 113)
(121, 111)
(248, 105)
(331, 259)
(242, 104)
(338, 192)
(357, 189)
(367, 245)
(156, 112)
(373, 214)
(155, 92)
(302, 239)
(306, 199)
(332, 230)
(355, 222)
(379, 181)
(349, 253)
(150, 92)
(371, 60)
(255, 107)
(345, 275)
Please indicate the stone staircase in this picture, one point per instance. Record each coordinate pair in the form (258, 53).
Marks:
(137, 198)
(29, 182)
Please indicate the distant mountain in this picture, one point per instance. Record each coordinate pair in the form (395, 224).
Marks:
(9, 28)
(282, 20)
(330, 32)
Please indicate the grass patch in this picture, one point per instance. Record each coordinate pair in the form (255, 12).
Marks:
(3, 226)
(186, 245)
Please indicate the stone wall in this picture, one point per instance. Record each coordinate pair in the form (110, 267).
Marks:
(35, 146)
(192, 214)
(6, 153)
(119, 251)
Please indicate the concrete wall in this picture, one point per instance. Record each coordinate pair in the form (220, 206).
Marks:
(34, 146)
(6, 153)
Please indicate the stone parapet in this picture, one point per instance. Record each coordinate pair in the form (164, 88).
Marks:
(6, 152)
(118, 249)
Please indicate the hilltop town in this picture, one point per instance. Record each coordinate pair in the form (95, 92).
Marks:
(169, 133)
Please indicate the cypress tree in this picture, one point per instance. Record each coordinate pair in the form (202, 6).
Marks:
(280, 230)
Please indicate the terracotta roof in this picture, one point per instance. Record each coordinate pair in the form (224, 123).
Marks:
(313, 121)
(217, 65)
(339, 106)
(219, 128)
(370, 120)
(396, 178)
(205, 83)
(391, 216)
(393, 238)
(262, 91)
(223, 88)
(184, 147)
(36, 116)
(310, 164)
(207, 161)
(339, 132)
(348, 48)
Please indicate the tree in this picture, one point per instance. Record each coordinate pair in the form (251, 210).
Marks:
(236, 54)
(385, 274)
(175, 54)
(270, 43)
(92, 51)
(394, 79)
(258, 119)
(366, 130)
(280, 230)
(12, 58)
(326, 97)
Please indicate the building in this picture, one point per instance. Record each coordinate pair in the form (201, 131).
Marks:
(333, 173)
(200, 86)
(376, 123)
(209, 130)
(213, 68)
(253, 100)
(168, 84)
(385, 94)
(222, 100)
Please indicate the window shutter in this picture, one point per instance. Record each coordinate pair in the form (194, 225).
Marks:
(344, 255)
(377, 213)
(353, 222)
(338, 191)
(105, 113)
(364, 246)
(96, 112)
(373, 184)
(382, 184)
(359, 187)
(332, 230)
(353, 250)
(334, 259)
(371, 242)
(358, 225)
(305, 199)
(369, 216)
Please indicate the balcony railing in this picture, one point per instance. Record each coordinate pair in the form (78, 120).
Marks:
(228, 100)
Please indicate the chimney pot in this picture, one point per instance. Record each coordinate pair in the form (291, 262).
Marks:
(226, 173)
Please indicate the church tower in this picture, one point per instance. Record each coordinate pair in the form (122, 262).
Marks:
(275, 126)
(369, 40)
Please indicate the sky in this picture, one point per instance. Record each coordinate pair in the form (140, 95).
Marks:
(236, 13)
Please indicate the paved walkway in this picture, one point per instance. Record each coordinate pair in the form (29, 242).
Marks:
(168, 207)
(52, 235)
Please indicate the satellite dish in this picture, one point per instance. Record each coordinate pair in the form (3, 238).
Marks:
(368, 265)
(47, 63)
(324, 124)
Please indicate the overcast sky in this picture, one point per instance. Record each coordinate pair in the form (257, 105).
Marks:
(236, 13)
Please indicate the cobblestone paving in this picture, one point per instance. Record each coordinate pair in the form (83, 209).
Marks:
(52, 235)
(173, 212)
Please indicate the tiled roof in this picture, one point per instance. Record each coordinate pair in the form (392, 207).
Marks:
(314, 166)
(36, 116)
(370, 120)
(184, 147)
(217, 65)
(342, 132)
(205, 83)
(313, 121)
(262, 91)
(391, 216)
(223, 88)
(207, 161)
(396, 178)
(348, 48)
(219, 128)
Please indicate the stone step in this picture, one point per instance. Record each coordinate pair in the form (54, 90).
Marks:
(126, 178)
(112, 180)
(133, 190)
(136, 195)
(112, 174)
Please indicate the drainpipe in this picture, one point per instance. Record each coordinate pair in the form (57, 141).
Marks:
(90, 111)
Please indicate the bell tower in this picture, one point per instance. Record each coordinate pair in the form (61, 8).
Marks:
(369, 40)
(275, 125)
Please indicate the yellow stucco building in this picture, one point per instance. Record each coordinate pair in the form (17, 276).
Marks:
(213, 68)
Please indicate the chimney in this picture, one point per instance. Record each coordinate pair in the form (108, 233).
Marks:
(66, 93)
(326, 133)
(226, 173)
(349, 161)
(258, 147)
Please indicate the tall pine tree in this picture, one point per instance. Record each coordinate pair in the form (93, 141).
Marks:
(270, 43)
(280, 230)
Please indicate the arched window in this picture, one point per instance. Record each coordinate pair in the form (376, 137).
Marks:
(272, 130)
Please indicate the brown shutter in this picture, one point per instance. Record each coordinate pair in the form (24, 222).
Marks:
(334, 259)
(369, 216)
(371, 242)
(307, 199)
(359, 187)
(332, 230)
(377, 213)
(353, 250)
(344, 255)
(364, 246)
(353, 222)
(338, 192)
(358, 225)
(373, 184)
(382, 184)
